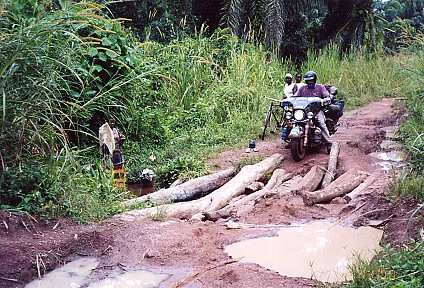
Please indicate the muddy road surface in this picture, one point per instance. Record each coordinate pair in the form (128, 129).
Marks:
(192, 253)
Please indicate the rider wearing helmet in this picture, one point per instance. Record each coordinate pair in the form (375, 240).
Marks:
(311, 80)
(312, 89)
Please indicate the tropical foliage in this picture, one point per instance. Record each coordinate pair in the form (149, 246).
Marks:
(66, 66)
(63, 67)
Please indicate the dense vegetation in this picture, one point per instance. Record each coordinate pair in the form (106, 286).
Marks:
(289, 28)
(65, 66)
(64, 69)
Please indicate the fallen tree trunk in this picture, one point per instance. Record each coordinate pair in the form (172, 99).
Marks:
(358, 190)
(215, 200)
(332, 164)
(287, 187)
(253, 187)
(187, 190)
(310, 181)
(279, 176)
(339, 187)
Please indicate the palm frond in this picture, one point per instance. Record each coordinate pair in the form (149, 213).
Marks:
(276, 15)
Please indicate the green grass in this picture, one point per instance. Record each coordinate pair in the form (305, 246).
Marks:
(392, 267)
(409, 184)
(178, 102)
(361, 78)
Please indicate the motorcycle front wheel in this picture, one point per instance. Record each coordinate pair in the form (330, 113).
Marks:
(297, 149)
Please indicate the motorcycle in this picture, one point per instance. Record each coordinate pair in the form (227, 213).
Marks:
(300, 128)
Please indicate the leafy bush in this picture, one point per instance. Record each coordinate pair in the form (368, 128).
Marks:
(83, 194)
(63, 68)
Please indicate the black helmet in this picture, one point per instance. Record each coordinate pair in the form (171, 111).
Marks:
(310, 75)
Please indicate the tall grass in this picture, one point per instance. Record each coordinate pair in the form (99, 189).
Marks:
(412, 131)
(392, 267)
(361, 78)
(217, 89)
(176, 102)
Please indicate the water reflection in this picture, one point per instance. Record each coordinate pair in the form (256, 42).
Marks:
(71, 275)
(316, 250)
(75, 274)
(132, 279)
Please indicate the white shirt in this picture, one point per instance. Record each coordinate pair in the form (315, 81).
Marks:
(288, 90)
(297, 86)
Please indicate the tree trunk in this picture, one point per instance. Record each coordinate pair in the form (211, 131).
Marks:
(310, 181)
(252, 188)
(339, 187)
(188, 190)
(279, 176)
(358, 190)
(214, 201)
(332, 164)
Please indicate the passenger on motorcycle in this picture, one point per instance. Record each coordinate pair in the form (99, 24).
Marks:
(312, 89)
(298, 83)
(289, 86)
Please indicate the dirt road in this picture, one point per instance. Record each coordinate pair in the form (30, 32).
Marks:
(180, 248)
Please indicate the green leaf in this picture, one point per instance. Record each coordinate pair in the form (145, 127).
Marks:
(93, 52)
(90, 92)
(106, 41)
(110, 54)
(97, 68)
(102, 56)
(75, 94)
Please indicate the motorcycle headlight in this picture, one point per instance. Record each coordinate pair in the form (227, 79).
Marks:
(310, 115)
(299, 115)
(289, 115)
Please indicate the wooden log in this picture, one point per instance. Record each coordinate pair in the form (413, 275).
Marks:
(345, 177)
(338, 188)
(247, 175)
(332, 164)
(187, 190)
(311, 181)
(215, 200)
(360, 189)
(279, 176)
(177, 182)
(286, 189)
(255, 186)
